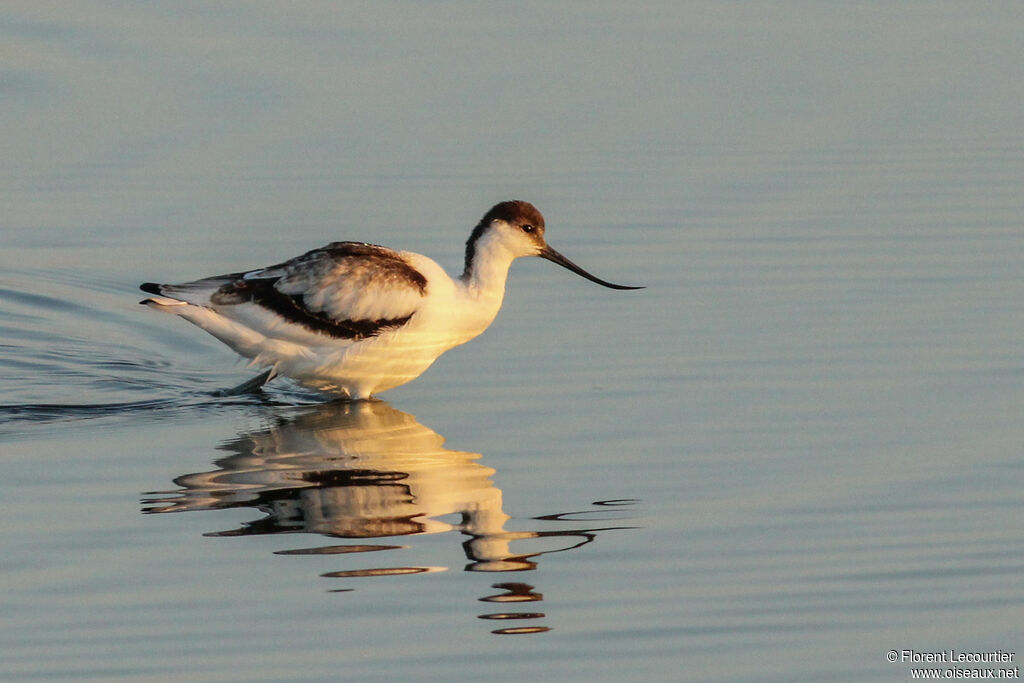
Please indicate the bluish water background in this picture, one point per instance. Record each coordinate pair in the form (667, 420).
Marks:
(798, 449)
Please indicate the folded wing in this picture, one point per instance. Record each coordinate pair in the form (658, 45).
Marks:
(345, 290)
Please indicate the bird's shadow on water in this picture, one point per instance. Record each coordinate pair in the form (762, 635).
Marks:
(366, 474)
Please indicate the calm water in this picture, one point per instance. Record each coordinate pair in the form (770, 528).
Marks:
(798, 449)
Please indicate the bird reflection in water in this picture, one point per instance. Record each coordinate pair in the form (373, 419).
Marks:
(367, 471)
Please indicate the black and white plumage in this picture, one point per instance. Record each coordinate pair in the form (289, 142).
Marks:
(354, 318)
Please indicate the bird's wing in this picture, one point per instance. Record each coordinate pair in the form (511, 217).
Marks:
(346, 290)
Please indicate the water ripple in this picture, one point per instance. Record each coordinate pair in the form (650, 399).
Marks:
(75, 348)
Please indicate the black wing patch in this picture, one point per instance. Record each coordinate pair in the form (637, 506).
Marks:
(292, 307)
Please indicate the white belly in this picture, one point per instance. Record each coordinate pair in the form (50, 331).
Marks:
(371, 365)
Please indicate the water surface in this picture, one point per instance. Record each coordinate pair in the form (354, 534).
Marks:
(797, 449)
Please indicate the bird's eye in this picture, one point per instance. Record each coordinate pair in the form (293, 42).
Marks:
(528, 228)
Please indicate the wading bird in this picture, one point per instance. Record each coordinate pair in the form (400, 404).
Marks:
(355, 319)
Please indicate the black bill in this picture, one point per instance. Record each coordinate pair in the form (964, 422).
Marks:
(553, 256)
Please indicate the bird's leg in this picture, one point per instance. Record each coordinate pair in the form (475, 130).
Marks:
(251, 385)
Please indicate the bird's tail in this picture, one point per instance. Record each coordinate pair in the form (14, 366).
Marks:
(159, 302)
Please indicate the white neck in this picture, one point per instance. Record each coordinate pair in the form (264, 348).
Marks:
(485, 276)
